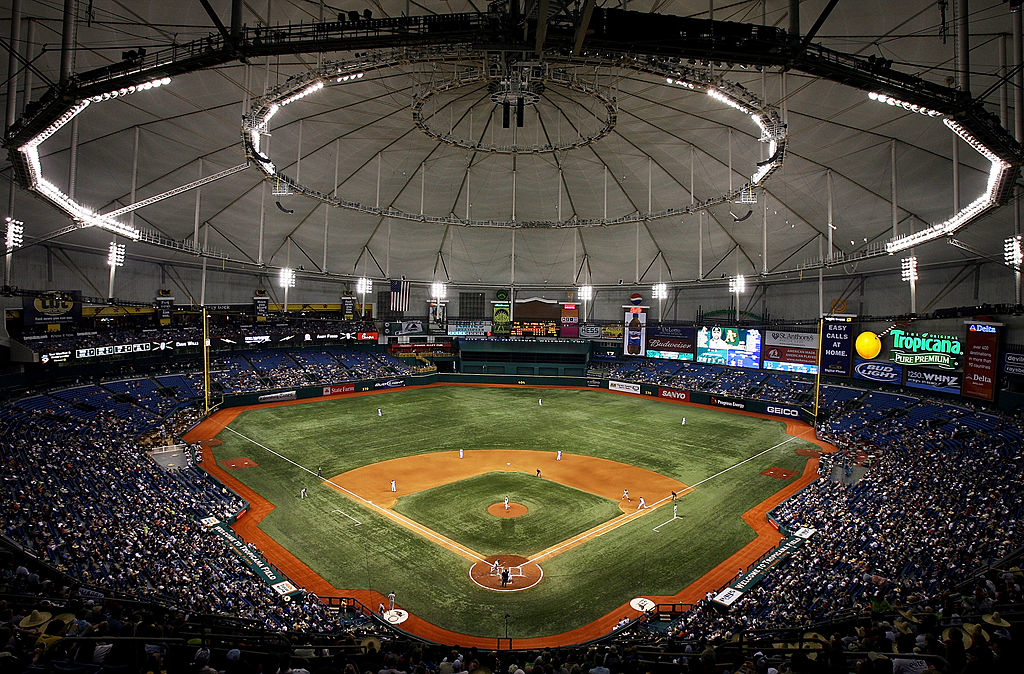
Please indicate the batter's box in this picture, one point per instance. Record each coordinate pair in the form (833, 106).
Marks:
(235, 464)
(780, 473)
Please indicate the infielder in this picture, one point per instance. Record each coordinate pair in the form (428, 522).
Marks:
(642, 504)
(625, 495)
(394, 487)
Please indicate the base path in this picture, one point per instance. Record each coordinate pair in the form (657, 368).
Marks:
(248, 527)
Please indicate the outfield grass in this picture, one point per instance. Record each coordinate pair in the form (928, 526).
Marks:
(554, 512)
(580, 584)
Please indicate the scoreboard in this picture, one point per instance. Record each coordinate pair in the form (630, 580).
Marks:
(535, 329)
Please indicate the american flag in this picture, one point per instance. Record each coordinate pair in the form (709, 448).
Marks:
(399, 296)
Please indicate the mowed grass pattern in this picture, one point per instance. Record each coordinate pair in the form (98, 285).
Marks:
(554, 512)
(580, 584)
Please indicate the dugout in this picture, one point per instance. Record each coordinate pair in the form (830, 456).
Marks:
(560, 359)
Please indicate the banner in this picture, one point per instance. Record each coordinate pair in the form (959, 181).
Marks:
(272, 397)
(758, 571)
(342, 388)
(836, 347)
(1013, 365)
(782, 411)
(348, 307)
(570, 320)
(254, 560)
(590, 331)
(731, 404)
(625, 387)
(164, 305)
(400, 328)
(981, 360)
(389, 383)
(922, 348)
(791, 351)
(934, 380)
(635, 332)
(437, 316)
(63, 308)
(261, 307)
(612, 331)
(501, 315)
(468, 328)
(886, 373)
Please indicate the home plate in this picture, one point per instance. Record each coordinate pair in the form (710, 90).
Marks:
(396, 616)
(642, 604)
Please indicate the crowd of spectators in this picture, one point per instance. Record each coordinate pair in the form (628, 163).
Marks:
(85, 497)
(781, 387)
(259, 370)
(937, 505)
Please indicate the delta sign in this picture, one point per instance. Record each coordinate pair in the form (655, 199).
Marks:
(912, 348)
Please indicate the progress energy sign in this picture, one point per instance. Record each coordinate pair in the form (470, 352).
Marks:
(790, 351)
(981, 360)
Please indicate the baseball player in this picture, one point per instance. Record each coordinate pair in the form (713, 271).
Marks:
(302, 493)
(625, 495)
(506, 504)
(641, 504)
(558, 457)
(391, 600)
(394, 487)
(380, 412)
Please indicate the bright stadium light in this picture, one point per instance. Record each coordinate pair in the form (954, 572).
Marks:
(737, 285)
(115, 255)
(15, 234)
(585, 293)
(908, 272)
(908, 268)
(1011, 252)
(115, 259)
(286, 279)
(438, 291)
(659, 291)
(364, 285)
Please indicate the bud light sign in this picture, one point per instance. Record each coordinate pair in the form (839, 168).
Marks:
(887, 373)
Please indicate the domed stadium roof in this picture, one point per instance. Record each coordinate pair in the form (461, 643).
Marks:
(411, 160)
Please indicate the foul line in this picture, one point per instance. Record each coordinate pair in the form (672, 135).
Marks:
(342, 512)
(619, 521)
(673, 519)
(404, 521)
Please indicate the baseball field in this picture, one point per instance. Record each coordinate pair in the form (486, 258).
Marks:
(577, 550)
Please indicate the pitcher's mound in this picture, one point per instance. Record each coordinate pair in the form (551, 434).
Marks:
(514, 509)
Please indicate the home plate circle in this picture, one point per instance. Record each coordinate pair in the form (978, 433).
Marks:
(396, 616)
(642, 604)
(522, 573)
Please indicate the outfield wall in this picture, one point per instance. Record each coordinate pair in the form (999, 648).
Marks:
(787, 411)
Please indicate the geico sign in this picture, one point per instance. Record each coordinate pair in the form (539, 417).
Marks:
(782, 411)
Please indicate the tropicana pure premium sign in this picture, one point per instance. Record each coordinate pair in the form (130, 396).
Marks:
(922, 348)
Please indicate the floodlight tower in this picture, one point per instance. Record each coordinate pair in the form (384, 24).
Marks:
(737, 286)
(115, 259)
(15, 238)
(286, 279)
(1012, 254)
(908, 271)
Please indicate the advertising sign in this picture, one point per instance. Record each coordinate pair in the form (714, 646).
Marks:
(791, 351)
(670, 394)
(1013, 364)
(390, 383)
(570, 320)
(836, 347)
(461, 328)
(922, 348)
(735, 347)
(261, 307)
(164, 305)
(52, 308)
(625, 387)
(886, 373)
(272, 397)
(590, 331)
(400, 328)
(934, 380)
(782, 411)
(612, 331)
(343, 388)
(731, 404)
(634, 334)
(981, 360)
(677, 345)
(501, 313)
(348, 307)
